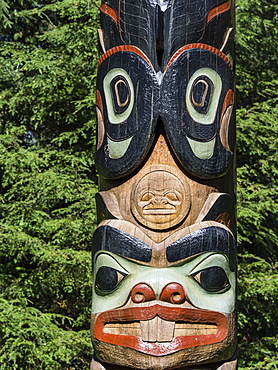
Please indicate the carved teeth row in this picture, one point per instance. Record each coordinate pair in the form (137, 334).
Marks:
(159, 330)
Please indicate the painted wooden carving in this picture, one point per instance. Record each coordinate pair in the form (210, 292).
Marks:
(164, 253)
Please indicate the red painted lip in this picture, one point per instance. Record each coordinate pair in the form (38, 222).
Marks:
(167, 313)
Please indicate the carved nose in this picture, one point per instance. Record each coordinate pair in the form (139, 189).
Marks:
(142, 293)
(173, 293)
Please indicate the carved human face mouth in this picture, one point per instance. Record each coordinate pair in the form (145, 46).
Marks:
(161, 206)
(177, 328)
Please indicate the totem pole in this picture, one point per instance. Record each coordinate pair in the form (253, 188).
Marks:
(164, 252)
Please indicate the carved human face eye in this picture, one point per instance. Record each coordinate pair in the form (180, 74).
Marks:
(172, 197)
(108, 278)
(147, 196)
(212, 279)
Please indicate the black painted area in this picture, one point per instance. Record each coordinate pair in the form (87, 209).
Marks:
(116, 241)
(223, 204)
(177, 120)
(120, 92)
(201, 94)
(212, 279)
(108, 278)
(111, 35)
(137, 25)
(160, 33)
(186, 23)
(209, 239)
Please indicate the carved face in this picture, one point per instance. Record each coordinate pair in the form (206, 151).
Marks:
(160, 200)
(167, 314)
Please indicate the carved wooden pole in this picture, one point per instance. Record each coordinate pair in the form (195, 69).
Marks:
(164, 253)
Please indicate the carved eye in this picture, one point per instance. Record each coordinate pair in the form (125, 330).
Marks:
(212, 279)
(172, 196)
(200, 94)
(108, 278)
(147, 196)
(203, 94)
(119, 95)
(120, 92)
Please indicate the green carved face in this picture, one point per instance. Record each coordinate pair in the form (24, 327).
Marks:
(207, 280)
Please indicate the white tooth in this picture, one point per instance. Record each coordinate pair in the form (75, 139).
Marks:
(157, 330)
(166, 331)
(149, 329)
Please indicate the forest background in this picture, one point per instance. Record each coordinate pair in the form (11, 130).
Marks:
(48, 56)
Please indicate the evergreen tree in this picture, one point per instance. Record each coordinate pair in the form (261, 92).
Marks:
(47, 215)
(257, 68)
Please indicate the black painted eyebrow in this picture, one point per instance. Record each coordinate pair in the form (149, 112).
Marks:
(209, 239)
(116, 241)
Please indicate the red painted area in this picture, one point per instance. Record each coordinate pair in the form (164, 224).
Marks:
(109, 11)
(142, 293)
(130, 48)
(99, 101)
(176, 314)
(173, 293)
(218, 10)
(199, 46)
(229, 100)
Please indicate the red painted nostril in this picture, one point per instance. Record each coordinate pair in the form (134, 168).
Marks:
(142, 293)
(173, 293)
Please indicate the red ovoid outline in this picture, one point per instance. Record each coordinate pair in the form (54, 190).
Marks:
(177, 314)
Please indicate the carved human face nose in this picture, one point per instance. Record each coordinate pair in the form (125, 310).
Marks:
(171, 293)
(157, 199)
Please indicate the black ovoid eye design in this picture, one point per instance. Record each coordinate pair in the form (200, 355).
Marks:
(201, 93)
(108, 278)
(121, 94)
(212, 279)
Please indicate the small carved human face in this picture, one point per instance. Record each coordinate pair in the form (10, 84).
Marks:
(161, 200)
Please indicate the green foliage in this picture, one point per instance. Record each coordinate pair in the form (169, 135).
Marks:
(48, 55)
(257, 175)
(257, 33)
(35, 340)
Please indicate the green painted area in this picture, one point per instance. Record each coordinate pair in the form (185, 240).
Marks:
(118, 148)
(158, 278)
(202, 150)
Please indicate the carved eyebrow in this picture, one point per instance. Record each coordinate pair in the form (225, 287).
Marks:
(116, 241)
(209, 239)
